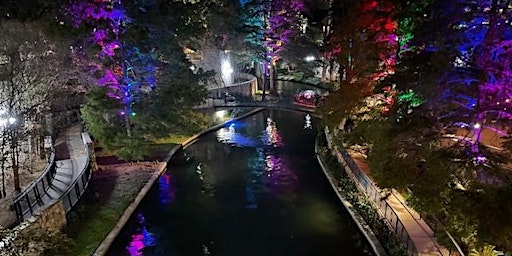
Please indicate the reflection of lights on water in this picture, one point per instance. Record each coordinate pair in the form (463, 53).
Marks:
(308, 122)
(272, 163)
(141, 241)
(272, 136)
(136, 246)
(229, 135)
(166, 190)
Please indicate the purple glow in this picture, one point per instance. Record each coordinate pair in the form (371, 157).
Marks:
(166, 189)
(118, 61)
(281, 178)
(141, 240)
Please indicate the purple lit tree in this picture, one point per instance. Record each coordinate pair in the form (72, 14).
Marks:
(480, 81)
(125, 70)
(142, 87)
(282, 24)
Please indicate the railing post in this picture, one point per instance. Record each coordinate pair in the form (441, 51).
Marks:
(29, 204)
(19, 211)
(38, 195)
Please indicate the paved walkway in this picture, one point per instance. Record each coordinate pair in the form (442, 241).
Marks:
(420, 233)
(70, 159)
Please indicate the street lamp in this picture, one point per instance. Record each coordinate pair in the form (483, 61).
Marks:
(227, 71)
(309, 58)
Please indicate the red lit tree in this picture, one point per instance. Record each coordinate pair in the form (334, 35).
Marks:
(364, 44)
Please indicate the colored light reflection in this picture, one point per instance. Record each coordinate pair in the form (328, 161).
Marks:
(166, 189)
(229, 135)
(271, 136)
(142, 240)
(281, 179)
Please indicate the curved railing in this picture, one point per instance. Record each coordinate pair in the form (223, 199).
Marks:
(389, 214)
(75, 191)
(374, 196)
(26, 201)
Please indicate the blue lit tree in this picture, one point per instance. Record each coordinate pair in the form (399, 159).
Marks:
(139, 69)
(270, 25)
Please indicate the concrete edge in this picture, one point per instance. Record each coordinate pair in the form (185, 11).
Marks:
(102, 249)
(377, 247)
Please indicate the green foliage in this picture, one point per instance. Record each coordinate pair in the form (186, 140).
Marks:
(486, 250)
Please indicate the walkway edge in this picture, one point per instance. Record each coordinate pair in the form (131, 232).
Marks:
(377, 247)
(102, 249)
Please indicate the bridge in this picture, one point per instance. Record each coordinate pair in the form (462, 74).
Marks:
(64, 179)
(282, 104)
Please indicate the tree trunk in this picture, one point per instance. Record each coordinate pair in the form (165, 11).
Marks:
(2, 166)
(272, 81)
(324, 71)
(14, 160)
(127, 122)
(264, 80)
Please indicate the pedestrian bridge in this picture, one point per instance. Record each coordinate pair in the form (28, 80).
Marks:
(282, 104)
(65, 178)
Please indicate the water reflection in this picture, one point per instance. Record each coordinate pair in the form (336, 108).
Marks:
(166, 189)
(268, 170)
(271, 136)
(229, 135)
(141, 241)
(252, 188)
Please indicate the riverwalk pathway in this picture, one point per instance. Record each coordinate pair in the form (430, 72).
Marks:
(417, 236)
(71, 157)
(416, 228)
(420, 233)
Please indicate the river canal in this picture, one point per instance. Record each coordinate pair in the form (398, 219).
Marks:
(253, 187)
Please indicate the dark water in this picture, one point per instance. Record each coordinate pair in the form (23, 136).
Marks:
(252, 188)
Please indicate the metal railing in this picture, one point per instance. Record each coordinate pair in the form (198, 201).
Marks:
(277, 104)
(75, 191)
(36, 195)
(27, 200)
(373, 194)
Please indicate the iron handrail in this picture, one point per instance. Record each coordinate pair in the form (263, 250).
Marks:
(48, 167)
(48, 175)
(85, 173)
(365, 184)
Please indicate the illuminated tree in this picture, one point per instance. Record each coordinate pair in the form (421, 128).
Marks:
(270, 25)
(364, 44)
(139, 67)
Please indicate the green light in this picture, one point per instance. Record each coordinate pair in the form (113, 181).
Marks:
(134, 114)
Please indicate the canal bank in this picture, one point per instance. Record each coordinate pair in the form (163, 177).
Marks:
(358, 219)
(107, 242)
